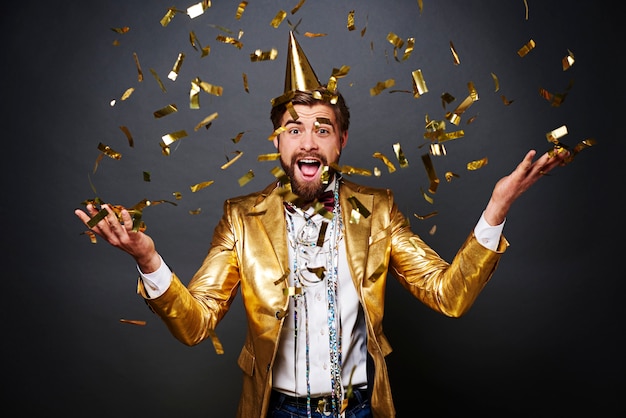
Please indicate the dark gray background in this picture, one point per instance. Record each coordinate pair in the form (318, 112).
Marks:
(544, 339)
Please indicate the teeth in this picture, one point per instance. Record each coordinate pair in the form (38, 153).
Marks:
(308, 161)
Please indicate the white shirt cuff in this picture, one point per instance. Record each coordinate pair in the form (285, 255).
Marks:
(157, 282)
(488, 236)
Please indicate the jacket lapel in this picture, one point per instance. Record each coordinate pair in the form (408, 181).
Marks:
(269, 210)
(356, 234)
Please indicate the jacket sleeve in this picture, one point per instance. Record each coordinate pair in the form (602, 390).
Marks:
(449, 288)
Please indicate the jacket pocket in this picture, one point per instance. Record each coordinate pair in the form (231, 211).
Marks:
(246, 361)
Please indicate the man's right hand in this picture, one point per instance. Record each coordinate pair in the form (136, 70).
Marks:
(121, 235)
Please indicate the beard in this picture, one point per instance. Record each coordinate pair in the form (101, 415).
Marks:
(306, 190)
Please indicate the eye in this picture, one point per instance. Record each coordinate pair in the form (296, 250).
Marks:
(294, 131)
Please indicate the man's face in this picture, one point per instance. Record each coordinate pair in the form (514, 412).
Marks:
(307, 145)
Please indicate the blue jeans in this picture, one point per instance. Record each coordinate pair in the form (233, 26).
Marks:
(281, 407)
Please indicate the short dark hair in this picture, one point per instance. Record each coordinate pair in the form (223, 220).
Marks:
(338, 104)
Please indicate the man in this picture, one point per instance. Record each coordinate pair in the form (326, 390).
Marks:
(313, 277)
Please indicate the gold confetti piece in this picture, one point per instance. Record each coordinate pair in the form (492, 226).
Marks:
(433, 230)
(350, 25)
(158, 80)
(400, 155)
(176, 68)
(476, 164)
(428, 215)
(472, 119)
(167, 18)
(377, 172)
(568, 60)
(167, 110)
(92, 236)
(97, 162)
(554, 135)
(446, 98)
(244, 78)
(195, 211)
(395, 40)
(172, 137)
(455, 56)
(278, 19)
(455, 115)
(340, 72)
(146, 176)
(432, 175)
(129, 137)
(277, 132)
(109, 152)
(410, 43)
(280, 175)
(102, 213)
(426, 197)
(437, 149)
(496, 82)
(209, 88)
(292, 291)
(197, 9)
(382, 85)
(526, 48)
(229, 40)
(390, 167)
(349, 170)
(200, 186)
(420, 4)
(472, 91)
(419, 85)
(297, 7)
(139, 72)
(127, 93)
(358, 207)
(216, 342)
(268, 157)
(245, 179)
(177, 195)
(133, 322)
(314, 35)
(556, 99)
(229, 163)
(526, 7)
(260, 55)
(506, 101)
(206, 121)
(237, 138)
(447, 136)
(194, 95)
(240, 9)
(450, 175)
(122, 30)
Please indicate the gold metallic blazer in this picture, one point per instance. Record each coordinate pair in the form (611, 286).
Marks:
(249, 252)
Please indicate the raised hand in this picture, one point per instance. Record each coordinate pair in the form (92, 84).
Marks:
(120, 234)
(510, 187)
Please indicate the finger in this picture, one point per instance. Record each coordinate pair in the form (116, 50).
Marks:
(127, 220)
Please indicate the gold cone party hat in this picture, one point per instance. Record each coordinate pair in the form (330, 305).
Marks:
(299, 74)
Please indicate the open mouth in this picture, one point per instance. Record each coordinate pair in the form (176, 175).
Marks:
(309, 167)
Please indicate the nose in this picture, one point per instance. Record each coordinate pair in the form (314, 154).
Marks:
(308, 141)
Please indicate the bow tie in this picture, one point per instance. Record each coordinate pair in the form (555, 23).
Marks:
(327, 199)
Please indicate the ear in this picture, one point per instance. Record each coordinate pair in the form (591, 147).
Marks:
(344, 139)
(276, 141)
